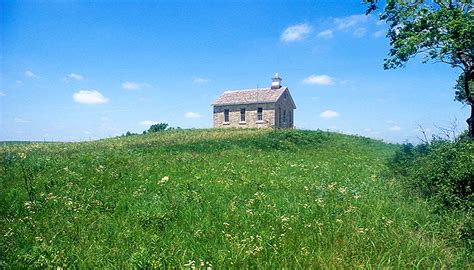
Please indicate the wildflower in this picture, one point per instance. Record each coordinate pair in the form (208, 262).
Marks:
(343, 190)
(164, 180)
(320, 202)
(22, 155)
(387, 221)
(332, 185)
(373, 177)
(99, 169)
(198, 233)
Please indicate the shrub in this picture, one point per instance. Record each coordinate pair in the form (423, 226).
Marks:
(442, 170)
(157, 128)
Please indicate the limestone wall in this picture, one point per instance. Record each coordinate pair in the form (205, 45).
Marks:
(284, 107)
(250, 116)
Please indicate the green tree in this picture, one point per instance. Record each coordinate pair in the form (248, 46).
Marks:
(157, 128)
(440, 30)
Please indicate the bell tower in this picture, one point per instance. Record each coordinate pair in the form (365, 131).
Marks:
(276, 81)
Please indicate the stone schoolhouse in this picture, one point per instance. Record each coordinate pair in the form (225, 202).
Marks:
(255, 108)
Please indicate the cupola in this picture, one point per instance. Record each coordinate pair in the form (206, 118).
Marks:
(276, 81)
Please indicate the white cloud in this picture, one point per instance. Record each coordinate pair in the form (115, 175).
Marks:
(326, 34)
(30, 74)
(74, 76)
(2, 94)
(192, 115)
(295, 32)
(350, 21)
(19, 82)
(198, 80)
(329, 114)
(134, 85)
(395, 128)
(360, 32)
(319, 80)
(357, 24)
(89, 97)
(148, 122)
(379, 33)
(20, 120)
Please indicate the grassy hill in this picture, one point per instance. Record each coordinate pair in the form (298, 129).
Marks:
(214, 198)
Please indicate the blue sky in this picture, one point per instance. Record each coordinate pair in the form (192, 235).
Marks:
(81, 70)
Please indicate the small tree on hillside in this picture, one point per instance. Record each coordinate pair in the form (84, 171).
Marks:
(441, 30)
(157, 128)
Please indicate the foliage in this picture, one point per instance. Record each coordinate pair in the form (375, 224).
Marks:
(156, 128)
(442, 171)
(460, 93)
(217, 199)
(439, 30)
(129, 134)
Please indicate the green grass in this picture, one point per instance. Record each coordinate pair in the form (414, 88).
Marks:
(219, 198)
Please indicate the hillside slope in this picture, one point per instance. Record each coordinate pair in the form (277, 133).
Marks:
(212, 198)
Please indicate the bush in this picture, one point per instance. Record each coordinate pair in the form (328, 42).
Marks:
(442, 170)
(156, 128)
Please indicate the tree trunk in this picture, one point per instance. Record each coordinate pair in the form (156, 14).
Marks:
(469, 76)
(470, 123)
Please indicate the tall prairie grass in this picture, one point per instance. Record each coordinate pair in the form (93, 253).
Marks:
(214, 199)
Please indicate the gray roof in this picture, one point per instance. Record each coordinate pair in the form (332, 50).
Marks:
(249, 96)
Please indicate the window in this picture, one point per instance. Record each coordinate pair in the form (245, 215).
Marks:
(242, 115)
(259, 114)
(284, 116)
(226, 115)
(279, 117)
(290, 116)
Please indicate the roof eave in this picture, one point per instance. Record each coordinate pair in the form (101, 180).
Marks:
(244, 103)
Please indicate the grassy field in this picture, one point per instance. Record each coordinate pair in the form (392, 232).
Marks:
(215, 198)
